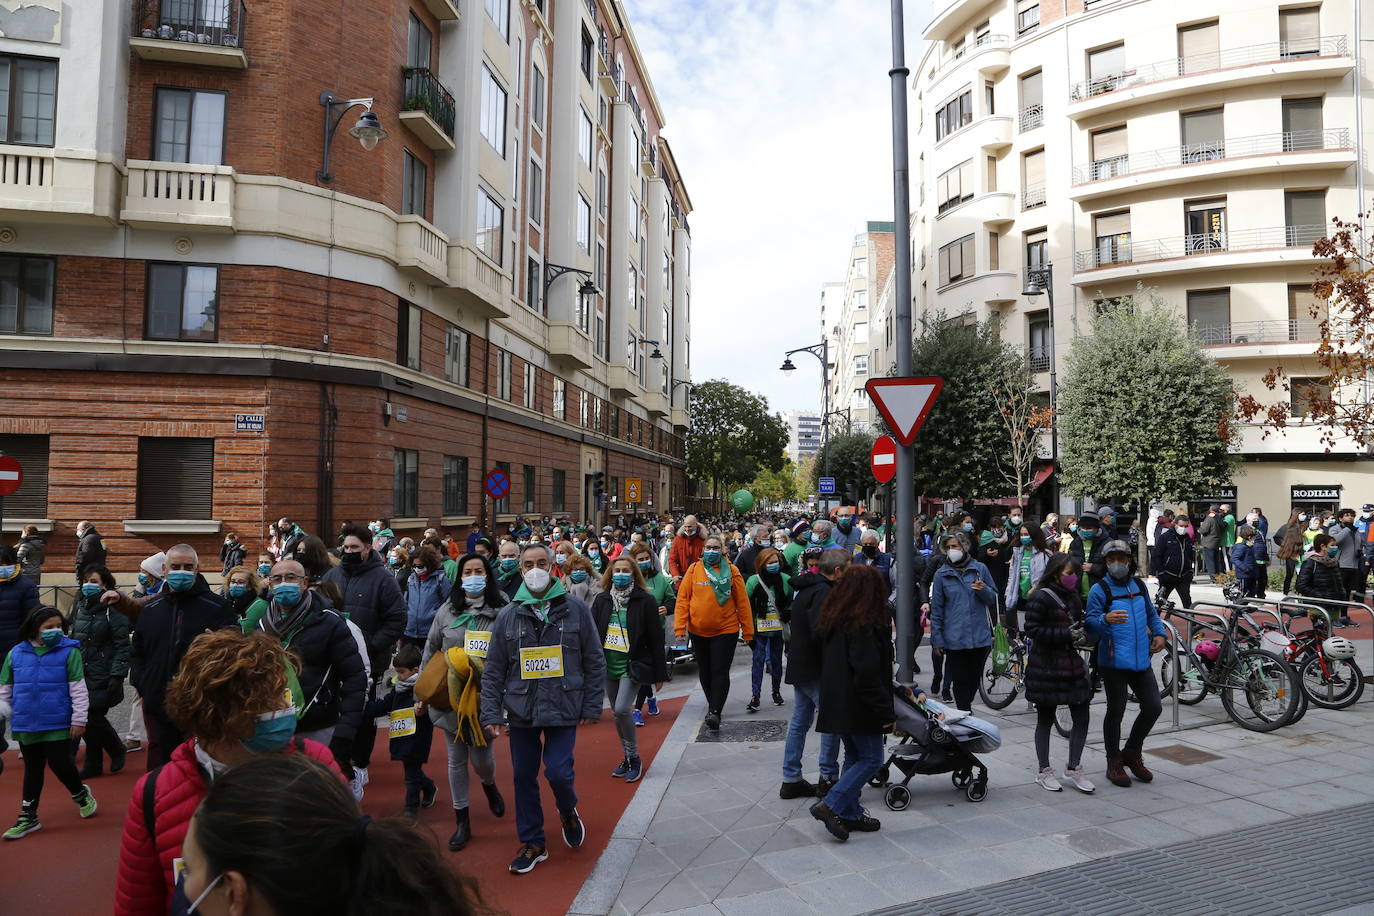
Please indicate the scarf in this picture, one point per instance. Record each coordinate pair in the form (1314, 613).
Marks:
(720, 579)
(407, 683)
(464, 688)
(540, 606)
(285, 624)
(620, 598)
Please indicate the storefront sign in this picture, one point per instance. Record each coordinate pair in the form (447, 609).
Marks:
(1220, 495)
(1302, 493)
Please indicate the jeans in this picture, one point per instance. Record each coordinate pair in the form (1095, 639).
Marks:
(1184, 587)
(48, 755)
(416, 783)
(863, 755)
(1116, 682)
(806, 699)
(458, 756)
(620, 693)
(526, 748)
(767, 650)
(137, 731)
(714, 655)
(1078, 734)
(965, 669)
(1290, 569)
(1211, 557)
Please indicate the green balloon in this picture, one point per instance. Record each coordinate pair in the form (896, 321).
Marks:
(742, 500)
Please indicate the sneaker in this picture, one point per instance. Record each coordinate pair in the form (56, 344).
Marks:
(753, 704)
(362, 773)
(26, 824)
(653, 706)
(355, 783)
(620, 771)
(528, 857)
(862, 824)
(947, 697)
(573, 830)
(777, 698)
(636, 770)
(133, 744)
(639, 719)
(821, 812)
(799, 789)
(713, 721)
(1347, 622)
(85, 802)
(1046, 779)
(1080, 780)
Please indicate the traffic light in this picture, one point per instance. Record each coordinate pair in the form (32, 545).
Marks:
(599, 486)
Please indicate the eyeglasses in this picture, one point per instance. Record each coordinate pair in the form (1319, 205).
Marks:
(288, 579)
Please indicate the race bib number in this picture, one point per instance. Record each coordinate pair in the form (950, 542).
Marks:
(771, 623)
(616, 639)
(541, 662)
(476, 643)
(403, 722)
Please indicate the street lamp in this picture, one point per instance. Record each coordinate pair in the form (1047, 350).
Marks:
(368, 130)
(1038, 280)
(822, 352)
(585, 290)
(641, 341)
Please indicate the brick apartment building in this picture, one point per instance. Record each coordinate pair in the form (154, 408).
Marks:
(200, 333)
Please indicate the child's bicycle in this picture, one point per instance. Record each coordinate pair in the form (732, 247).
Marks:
(1325, 664)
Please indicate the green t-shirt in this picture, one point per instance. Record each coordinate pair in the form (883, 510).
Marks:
(792, 554)
(451, 570)
(617, 663)
(1025, 571)
(661, 587)
(249, 623)
(76, 671)
(1228, 530)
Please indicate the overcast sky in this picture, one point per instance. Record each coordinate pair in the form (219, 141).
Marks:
(778, 112)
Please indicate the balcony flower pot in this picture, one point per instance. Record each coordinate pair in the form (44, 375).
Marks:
(186, 35)
(149, 33)
(230, 41)
(166, 32)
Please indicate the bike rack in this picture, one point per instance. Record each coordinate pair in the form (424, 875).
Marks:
(1176, 648)
(1325, 604)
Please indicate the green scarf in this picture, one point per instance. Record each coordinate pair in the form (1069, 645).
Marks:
(539, 605)
(720, 584)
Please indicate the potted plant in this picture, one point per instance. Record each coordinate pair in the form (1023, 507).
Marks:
(230, 41)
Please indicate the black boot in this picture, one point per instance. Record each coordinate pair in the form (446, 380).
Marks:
(463, 833)
(494, 800)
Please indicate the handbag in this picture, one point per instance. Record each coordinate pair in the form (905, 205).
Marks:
(432, 685)
(1001, 649)
(1079, 634)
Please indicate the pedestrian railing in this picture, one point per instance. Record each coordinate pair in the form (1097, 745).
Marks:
(1292, 141)
(1122, 249)
(1274, 330)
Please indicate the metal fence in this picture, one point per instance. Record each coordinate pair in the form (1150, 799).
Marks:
(1030, 117)
(209, 22)
(1274, 330)
(421, 91)
(1122, 249)
(1292, 141)
(1032, 196)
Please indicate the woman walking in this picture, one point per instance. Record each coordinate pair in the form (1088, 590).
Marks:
(855, 630)
(1056, 673)
(631, 634)
(1290, 540)
(658, 584)
(103, 634)
(713, 609)
(962, 599)
(1029, 557)
(581, 580)
(770, 600)
(429, 588)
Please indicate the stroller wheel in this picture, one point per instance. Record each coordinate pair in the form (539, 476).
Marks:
(897, 798)
(961, 778)
(977, 791)
(880, 778)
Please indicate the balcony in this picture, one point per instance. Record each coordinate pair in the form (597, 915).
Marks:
(991, 54)
(443, 10)
(609, 72)
(1290, 151)
(1277, 330)
(481, 284)
(622, 380)
(1119, 257)
(170, 32)
(951, 20)
(421, 248)
(991, 210)
(56, 184)
(655, 402)
(427, 108)
(648, 157)
(1038, 359)
(993, 289)
(568, 343)
(1273, 61)
(680, 417)
(171, 195)
(1030, 117)
(1033, 195)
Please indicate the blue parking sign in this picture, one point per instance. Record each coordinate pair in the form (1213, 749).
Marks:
(827, 485)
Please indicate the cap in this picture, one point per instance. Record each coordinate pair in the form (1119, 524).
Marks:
(1367, 507)
(1088, 521)
(1105, 512)
(799, 527)
(607, 529)
(1117, 546)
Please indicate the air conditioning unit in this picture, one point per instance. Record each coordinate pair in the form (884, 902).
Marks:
(1240, 338)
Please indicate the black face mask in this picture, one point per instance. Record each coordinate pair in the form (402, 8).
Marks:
(870, 550)
(351, 559)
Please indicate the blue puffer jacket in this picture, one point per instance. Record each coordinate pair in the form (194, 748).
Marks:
(18, 596)
(42, 697)
(1125, 646)
(423, 597)
(958, 614)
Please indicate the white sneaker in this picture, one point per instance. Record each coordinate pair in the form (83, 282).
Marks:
(357, 782)
(1048, 781)
(363, 772)
(1080, 780)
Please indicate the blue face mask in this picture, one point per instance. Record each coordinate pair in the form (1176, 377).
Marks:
(1025, 540)
(815, 538)
(647, 565)
(622, 580)
(509, 564)
(264, 569)
(272, 732)
(474, 585)
(179, 580)
(288, 594)
(772, 567)
(578, 575)
(7, 572)
(712, 557)
(236, 591)
(90, 589)
(968, 526)
(50, 637)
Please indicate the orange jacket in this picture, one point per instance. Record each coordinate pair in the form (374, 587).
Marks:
(699, 613)
(684, 552)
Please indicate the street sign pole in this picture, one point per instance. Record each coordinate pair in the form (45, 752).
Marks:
(905, 510)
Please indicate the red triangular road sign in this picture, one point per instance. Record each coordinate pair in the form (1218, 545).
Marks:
(904, 403)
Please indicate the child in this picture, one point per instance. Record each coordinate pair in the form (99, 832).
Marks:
(45, 680)
(411, 729)
(1248, 559)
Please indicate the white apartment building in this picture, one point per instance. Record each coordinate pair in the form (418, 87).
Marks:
(1196, 149)
(845, 326)
(803, 434)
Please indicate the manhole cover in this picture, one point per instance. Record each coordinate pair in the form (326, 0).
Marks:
(745, 731)
(1182, 753)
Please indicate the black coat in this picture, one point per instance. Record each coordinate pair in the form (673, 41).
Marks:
(163, 632)
(856, 682)
(374, 603)
(643, 628)
(18, 596)
(1055, 672)
(1173, 555)
(804, 648)
(90, 550)
(231, 555)
(745, 561)
(331, 670)
(104, 636)
(996, 556)
(1317, 579)
(410, 748)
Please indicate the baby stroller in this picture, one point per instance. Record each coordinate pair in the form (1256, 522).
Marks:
(931, 744)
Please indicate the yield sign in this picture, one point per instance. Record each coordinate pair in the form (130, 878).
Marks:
(904, 403)
(883, 459)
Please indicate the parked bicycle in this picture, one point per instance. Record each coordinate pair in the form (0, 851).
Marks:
(1003, 678)
(1325, 664)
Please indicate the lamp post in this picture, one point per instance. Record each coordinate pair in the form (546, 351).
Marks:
(822, 352)
(584, 291)
(1038, 280)
(368, 131)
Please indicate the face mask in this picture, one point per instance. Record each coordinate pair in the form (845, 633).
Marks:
(1181, 530)
(1025, 540)
(870, 550)
(287, 594)
(578, 575)
(846, 524)
(179, 580)
(7, 572)
(622, 580)
(1302, 518)
(1069, 581)
(593, 553)
(712, 557)
(50, 638)
(1314, 525)
(968, 526)
(421, 573)
(146, 580)
(374, 527)
(1332, 551)
(1118, 570)
(1014, 520)
(203, 894)
(560, 558)
(393, 561)
(90, 589)
(474, 585)
(1073, 527)
(352, 559)
(956, 556)
(1088, 535)
(537, 580)
(689, 532)
(272, 731)
(815, 538)
(780, 544)
(646, 565)
(263, 570)
(772, 567)
(236, 591)
(509, 563)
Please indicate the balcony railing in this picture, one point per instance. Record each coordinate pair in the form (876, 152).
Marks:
(219, 23)
(1278, 330)
(421, 91)
(1031, 117)
(982, 41)
(1038, 358)
(1325, 46)
(1032, 196)
(591, 8)
(1294, 141)
(1120, 249)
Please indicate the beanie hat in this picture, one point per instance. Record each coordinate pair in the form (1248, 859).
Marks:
(156, 565)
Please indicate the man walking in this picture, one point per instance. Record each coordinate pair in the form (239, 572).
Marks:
(90, 547)
(1173, 562)
(1209, 536)
(804, 674)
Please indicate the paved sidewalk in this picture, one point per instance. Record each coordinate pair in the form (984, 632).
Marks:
(720, 841)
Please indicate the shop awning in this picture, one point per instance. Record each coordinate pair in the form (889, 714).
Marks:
(1041, 476)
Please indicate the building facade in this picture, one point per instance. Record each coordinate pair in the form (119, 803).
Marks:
(204, 326)
(803, 434)
(1195, 151)
(845, 325)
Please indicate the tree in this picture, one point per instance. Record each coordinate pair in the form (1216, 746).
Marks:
(1143, 411)
(733, 436)
(1335, 397)
(1023, 417)
(849, 452)
(775, 486)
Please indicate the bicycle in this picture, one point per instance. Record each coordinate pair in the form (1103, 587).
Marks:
(998, 689)
(1329, 682)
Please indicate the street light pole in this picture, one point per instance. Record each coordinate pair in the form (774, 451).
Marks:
(1038, 280)
(822, 352)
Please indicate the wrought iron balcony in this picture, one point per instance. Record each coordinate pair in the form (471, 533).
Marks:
(1295, 141)
(1277, 330)
(184, 31)
(1033, 195)
(1038, 358)
(1120, 249)
(421, 91)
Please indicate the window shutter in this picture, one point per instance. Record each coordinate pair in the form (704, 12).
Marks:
(1299, 30)
(1199, 47)
(1032, 91)
(1107, 62)
(1034, 169)
(1209, 308)
(175, 477)
(1304, 208)
(1202, 127)
(1113, 224)
(1109, 144)
(31, 500)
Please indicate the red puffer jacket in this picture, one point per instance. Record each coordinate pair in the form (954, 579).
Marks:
(145, 882)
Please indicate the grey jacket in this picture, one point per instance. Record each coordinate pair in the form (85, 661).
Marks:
(1347, 545)
(544, 702)
(31, 556)
(443, 635)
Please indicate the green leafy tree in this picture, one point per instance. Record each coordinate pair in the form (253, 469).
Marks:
(849, 465)
(775, 486)
(1144, 412)
(733, 436)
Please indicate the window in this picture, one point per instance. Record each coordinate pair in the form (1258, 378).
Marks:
(1032, 100)
(1038, 339)
(31, 499)
(957, 260)
(537, 97)
(413, 183)
(1037, 250)
(418, 43)
(601, 193)
(1209, 314)
(529, 491)
(1302, 124)
(560, 490)
(536, 202)
(1199, 47)
(584, 224)
(175, 477)
(584, 137)
(493, 117)
(408, 335)
(531, 386)
(1298, 32)
(26, 294)
(1201, 133)
(1304, 393)
(988, 98)
(587, 54)
(954, 114)
(1306, 312)
(1033, 180)
(560, 398)
(633, 216)
(455, 485)
(994, 256)
(1027, 16)
(1206, 225)
(954, 186)
(182, 302)
(597, 424)
(1304, 215)
(1105, 67)
(28, 101)
(499, 13)
(457, 346)
(860, 299)
(190, 126)
(861, 267)
(583, 415)
(861, 364)
(1108, 152)
(1113, 235)
(502, 506)
(503, 374)
(489, 225)
(600, 267)
(992, 174)
(534, 285)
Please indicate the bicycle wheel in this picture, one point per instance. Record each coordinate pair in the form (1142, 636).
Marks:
(1260, 691)
(1063, 721)
(1341, 684)
(999, 690)
(1193, 688)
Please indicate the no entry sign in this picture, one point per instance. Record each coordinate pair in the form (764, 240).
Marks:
(883, 459)
(11, 476)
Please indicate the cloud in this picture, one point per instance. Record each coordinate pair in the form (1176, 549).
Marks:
(779, 115)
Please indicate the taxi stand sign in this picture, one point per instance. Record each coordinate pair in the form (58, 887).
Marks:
(633, 485)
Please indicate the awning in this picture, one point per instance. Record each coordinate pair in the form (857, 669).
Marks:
(1041, 476)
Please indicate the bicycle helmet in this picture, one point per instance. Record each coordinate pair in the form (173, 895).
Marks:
(1209, 649)
(1338, 647)
(1276, 642)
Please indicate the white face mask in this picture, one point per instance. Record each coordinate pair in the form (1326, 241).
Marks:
(955, 555)
(537, 580)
